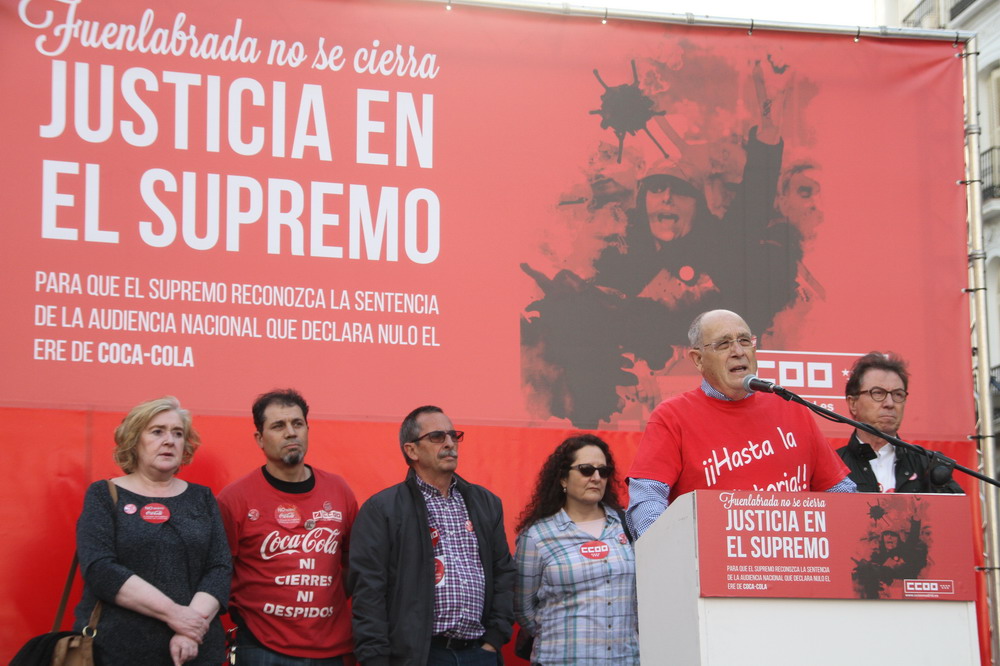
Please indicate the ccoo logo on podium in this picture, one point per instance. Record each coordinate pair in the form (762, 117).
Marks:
(927, 588)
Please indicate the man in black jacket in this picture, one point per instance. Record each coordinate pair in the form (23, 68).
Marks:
(876, 394)
(430, 569)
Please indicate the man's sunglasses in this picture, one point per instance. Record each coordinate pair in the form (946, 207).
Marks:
(439, 436)
(588, 470)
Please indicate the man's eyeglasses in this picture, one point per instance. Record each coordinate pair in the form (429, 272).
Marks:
(588, 470)
(878, 394)
(747, 342)
(439, 436)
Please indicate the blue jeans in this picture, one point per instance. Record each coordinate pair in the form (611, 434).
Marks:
(252, 655)
(474, 656)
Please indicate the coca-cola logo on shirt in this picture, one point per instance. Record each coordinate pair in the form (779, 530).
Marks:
(317, 540)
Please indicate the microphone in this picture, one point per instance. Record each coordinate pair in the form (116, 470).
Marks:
(939, 475)
(755, 383)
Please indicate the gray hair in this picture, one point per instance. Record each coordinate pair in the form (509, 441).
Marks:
(409, 430)
(694, 331)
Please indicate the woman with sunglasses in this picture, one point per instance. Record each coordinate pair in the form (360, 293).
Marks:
(575, 589)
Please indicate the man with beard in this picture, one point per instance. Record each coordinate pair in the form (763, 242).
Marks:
(876, 395)
(288, 526)
(431, 573)
(722, 436)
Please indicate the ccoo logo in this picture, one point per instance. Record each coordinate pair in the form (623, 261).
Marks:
(917, 587)
(595, 550)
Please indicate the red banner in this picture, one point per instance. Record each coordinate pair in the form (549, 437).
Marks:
(366, 189)
(513, 215)
(814, 545)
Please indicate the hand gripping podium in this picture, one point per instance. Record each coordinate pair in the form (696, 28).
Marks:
(739, 578)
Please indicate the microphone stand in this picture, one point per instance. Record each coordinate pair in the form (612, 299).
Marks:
(936, 459)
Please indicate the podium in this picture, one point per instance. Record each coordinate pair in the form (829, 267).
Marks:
(741, 578)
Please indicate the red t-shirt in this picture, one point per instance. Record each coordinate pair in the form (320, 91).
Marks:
(694, 442)
(289, 557)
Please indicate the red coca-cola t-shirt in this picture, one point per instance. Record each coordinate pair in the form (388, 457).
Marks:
(290, 552)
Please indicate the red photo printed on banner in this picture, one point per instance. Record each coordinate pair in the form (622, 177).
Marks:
(689, 208)
(898, 554)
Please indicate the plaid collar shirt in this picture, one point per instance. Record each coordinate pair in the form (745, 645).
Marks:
(576, 594)
(459, 581)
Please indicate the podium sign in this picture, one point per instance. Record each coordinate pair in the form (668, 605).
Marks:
(818, 545)
(782, 579)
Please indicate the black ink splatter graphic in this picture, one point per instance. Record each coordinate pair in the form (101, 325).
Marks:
(626, 110)
(876, 512)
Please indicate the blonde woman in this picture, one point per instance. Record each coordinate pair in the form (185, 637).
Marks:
(157, 558)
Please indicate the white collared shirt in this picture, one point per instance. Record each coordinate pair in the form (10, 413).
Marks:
(884, 467)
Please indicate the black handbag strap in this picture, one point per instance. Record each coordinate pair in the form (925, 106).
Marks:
(96, 614)
(65, 594)
(628, 532)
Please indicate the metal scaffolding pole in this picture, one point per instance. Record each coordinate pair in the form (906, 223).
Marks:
(567, 9)
(977, 266)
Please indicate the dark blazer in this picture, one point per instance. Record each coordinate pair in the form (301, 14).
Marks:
(911, 470)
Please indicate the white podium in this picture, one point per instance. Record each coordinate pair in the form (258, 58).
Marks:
(680, 627)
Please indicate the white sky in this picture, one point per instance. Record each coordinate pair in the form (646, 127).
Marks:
(833, 12)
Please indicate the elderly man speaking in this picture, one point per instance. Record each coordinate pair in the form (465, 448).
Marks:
(723, 436)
